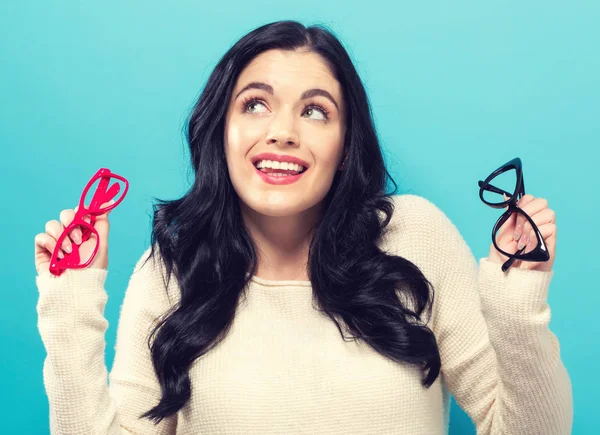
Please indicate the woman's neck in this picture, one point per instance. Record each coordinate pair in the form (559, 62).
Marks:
(282, 243)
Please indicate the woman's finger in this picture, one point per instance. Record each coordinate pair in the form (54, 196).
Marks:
(44, 247)
(66, 217)
(532, 208)
(526, 199)
(547, 230)
(540, 218)
(535, 206)
(55, 229)
(507, 228)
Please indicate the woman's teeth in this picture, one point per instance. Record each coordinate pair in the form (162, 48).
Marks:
(280, 174)
(279, 167)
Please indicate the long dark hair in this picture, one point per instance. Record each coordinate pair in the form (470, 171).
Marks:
(202, 241)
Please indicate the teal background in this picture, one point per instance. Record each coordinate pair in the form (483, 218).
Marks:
(457, 89)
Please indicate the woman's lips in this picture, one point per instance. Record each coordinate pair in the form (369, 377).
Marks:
(268, 178)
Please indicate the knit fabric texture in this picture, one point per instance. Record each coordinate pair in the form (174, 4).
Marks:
(285, 369)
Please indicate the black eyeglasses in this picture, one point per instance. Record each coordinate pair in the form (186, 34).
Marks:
(508, 180)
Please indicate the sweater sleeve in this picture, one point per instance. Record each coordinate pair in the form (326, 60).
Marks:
(499, 358)
(72, 326)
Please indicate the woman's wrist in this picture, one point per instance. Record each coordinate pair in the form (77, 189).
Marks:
(496, 257)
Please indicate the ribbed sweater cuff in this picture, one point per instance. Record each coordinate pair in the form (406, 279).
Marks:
(75, 293)
(72, 277)
(516, 294)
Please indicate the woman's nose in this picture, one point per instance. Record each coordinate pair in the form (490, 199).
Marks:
(282, 130)
(282, 138)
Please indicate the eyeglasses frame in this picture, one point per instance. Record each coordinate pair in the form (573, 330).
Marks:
(540, 253)
(101, 196)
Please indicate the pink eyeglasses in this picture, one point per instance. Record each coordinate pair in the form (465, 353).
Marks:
(102, 195)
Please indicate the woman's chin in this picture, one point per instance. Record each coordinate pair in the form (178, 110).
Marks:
(275, 204)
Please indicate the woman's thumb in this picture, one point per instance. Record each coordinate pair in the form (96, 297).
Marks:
(104, 205)
(102, 224)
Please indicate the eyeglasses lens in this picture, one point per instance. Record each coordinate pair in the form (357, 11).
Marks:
(113, 190)
(505, 183)
(531, 244)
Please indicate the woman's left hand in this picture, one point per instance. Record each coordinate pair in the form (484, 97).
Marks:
(518, 229)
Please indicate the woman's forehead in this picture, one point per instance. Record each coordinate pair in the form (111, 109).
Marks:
(288, 70)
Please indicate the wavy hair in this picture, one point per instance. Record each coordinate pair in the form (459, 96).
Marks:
(203, 242)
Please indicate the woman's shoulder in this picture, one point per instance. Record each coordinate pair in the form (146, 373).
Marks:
(150, 273)
(414, 200)
(416, 212)
(419, 230)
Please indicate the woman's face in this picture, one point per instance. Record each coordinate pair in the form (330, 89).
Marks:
(287, 103)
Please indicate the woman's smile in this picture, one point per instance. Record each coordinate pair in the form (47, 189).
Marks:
(278, 176)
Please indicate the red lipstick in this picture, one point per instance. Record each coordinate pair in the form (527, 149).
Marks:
(279, 158)
(278, 180)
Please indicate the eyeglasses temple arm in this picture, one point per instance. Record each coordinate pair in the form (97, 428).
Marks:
(494, 189)
(100, 191)
(102, 195)
(96, 202)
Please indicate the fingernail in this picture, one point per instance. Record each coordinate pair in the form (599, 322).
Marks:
(523, 242)
(77, 236)
(60, 254)
(517, 235)
(68, 249)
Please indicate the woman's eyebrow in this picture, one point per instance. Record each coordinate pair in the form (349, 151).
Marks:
(256, 85)
(305, 95)
(323, 93)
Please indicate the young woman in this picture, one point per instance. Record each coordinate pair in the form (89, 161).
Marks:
(303, 303)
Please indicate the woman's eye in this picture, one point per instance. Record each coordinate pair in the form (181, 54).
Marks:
(313, 110)
(254, 107)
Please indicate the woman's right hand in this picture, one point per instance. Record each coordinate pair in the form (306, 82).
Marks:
(45, 242)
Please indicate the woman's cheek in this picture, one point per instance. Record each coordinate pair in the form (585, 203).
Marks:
(326, 147)
(247, 134)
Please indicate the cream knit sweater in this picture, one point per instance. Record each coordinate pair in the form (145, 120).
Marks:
(284, 368)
